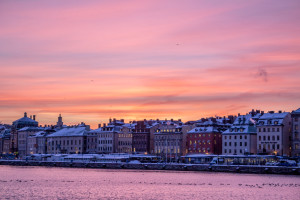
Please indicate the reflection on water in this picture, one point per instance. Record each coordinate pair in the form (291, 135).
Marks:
(70, 183)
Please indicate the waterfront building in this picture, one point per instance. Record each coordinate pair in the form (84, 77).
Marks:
(23, 135)
(206, 137)
(170, 140)
(107, 135)
(273, 135)
(4, 140)
(143, 136)
(205, 140)
(18, 124)
(68, 140)
(37, 142)
(240, 138)
(295, 132)
(123, 139)
(91, 140)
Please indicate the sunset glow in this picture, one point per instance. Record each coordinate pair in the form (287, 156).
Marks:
(92, 60)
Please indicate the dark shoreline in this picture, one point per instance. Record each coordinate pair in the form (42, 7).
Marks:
(252, 169)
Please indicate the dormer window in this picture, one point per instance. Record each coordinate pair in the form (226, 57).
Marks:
(276, 122)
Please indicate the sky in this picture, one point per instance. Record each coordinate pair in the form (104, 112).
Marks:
(92, 60)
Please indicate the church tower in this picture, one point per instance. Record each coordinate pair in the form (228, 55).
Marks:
(59, 121)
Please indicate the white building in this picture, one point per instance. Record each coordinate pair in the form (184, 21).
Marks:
(23, 135)
(68, 140)
(240, 138)
(273, 132)
(295, 132)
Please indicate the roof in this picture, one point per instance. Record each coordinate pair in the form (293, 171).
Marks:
(272, 119)
(240, 129)
(25, 120)
(274, 115)
(204, 130)
(72, 131)
(31, 129)
(296, 111)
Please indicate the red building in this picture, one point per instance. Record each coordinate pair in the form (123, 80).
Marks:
(204, 140)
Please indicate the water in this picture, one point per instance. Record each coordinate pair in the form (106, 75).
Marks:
(71, 183)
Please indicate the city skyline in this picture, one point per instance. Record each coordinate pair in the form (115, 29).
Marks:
(94, 60)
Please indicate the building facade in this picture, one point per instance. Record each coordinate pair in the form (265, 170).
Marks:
(205, 140)
(68, 141)
(23, 139)
(295, 132)
(241, 137)
(273, 133)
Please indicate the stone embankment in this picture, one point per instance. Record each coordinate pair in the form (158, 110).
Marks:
(255, 169)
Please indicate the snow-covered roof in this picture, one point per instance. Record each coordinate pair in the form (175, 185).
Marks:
(25, 120)
(240, 129)
(204, 130)
(296, 111)
(31, 129)
(72, 131)
(272, 119)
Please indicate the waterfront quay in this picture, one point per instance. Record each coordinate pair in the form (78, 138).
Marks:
(255, 169)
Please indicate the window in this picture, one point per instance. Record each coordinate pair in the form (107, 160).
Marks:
(225, 144)
(259, 138)
(259, 146)
(273, 138)
(241, 151)
(240, 137)
(278, 137)
(245, 144)
(269, 138)
(264, 137)
(225, 150)
(241, 144)
(245, 137)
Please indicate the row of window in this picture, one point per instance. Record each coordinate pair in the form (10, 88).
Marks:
(125, 143)
(235, 144)
(268, 138)
(269, 129)
(241, 151)
(269, 146)
(65, 142)
(235, 137)
(105, 149)
(105, 141)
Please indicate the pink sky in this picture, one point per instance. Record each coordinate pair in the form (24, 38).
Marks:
(91, 60)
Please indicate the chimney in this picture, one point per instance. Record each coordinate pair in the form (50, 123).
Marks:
(30, 116)
(171, 120)
(280, 111)
(271, 112)
(114, 119)
(239, 114)
(122, 120)
(104, 124)
(109, 120)
(262, 112)
(25, 114)
(34, 117)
